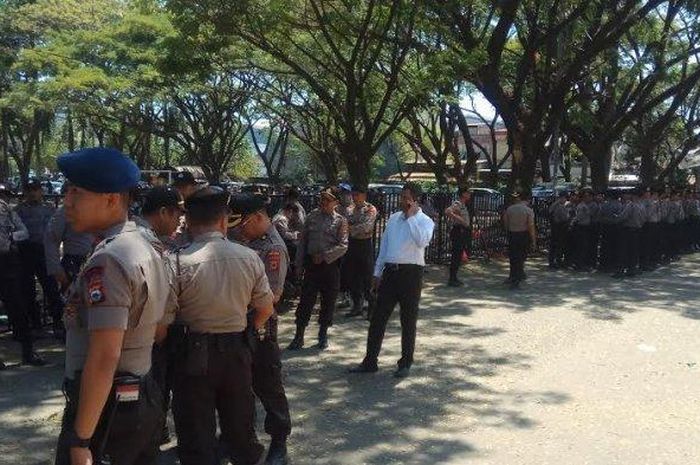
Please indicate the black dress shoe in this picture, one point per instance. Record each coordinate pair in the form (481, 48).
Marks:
(277, 455)
(322, 342)
(296, 344)
(363, 368)
(455, 283)
(402, 372)
(34, 360)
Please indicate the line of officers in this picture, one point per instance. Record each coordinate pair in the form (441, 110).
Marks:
(181, 300)
(623, 232)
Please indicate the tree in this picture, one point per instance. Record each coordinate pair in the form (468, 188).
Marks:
(354, 57)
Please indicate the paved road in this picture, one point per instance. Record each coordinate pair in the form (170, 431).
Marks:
(576, 369)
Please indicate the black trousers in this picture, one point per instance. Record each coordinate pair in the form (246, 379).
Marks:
(323, 279)
(291, 286)
(400, 284)
(593, 244)
(11, 295)
(557, 246)
(267, 384)
(359, 264)
(517, 254)
(34, 264)
(582, 244)
(134, 430)
(646, 246)
(224, 386)
(461, 240)
(630, 239)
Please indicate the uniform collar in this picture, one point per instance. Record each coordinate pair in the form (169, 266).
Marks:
(118, 228)
(207, 236)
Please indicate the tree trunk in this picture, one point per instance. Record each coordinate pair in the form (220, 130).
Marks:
(600, 158)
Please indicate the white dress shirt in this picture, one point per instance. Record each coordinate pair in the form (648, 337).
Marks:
(404, 240)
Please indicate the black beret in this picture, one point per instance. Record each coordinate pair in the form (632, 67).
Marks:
(100, 169)
(160, 197)
(248, 203)
(210, 196)
(183, 177)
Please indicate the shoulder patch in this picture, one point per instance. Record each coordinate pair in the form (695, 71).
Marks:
(272, 260)
(94, 284)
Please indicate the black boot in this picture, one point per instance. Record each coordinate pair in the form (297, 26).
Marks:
(29, 357)
(277, 454)
(298, 341)
(323, 337)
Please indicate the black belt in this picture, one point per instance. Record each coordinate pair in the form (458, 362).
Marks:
(401, 266)
(215, 337)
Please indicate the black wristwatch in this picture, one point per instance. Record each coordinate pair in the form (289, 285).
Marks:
(76, 441)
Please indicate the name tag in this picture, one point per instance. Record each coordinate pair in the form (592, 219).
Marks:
(127, 393)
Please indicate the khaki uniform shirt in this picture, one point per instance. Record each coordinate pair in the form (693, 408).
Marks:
(284, 229)
(123, 285)
(459, 209)
(217, 280)
(36, 217)
(323, 234)
(517, 217)
(60, 233)
(12, 229)
(361, 221)
(559, 212)
(273, 253)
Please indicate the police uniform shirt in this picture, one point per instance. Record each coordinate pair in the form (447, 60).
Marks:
(517, 217)
(461, 210)
(123, 285)
(632, 215)
(59, 232)
(273, 253)
(680, 212)
(361, 221)
(325, 235)
(11, 228)
(559, 211)
(217, 280)
(36, 217)
(282, 224)
(583, 214)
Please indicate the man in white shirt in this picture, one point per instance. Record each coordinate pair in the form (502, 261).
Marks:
(398, 278)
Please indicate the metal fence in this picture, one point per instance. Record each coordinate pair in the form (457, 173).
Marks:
(489, 237)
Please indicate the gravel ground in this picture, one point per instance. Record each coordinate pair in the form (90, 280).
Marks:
(574, 369)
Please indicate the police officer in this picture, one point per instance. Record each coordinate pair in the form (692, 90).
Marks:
(359, 260)
(12, 231)
(217, 281)
(461, 232)
(345, 207)
(257, 232)
(519, 221)
(35, 215)
(582, 232)
(610, 231)
(632, 219)
(282, 222)
(298, 218)
(114, 405)
(322, 243)
(76, 247)
(559, 218)
(160, 217)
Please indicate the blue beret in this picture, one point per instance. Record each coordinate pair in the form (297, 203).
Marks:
(100, 170)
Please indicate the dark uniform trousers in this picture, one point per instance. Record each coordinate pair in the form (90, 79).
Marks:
(11, 295)
(34, 264)
(400, 284)
(582, 238)
(323, 278)
(646, 246)
(593, 244)
(517, 253)
(557, 248)
(461, 239)
(291, 286)
(267, 383)
(629, 249)
(133, 430)
(359, 262)
(215, 378)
